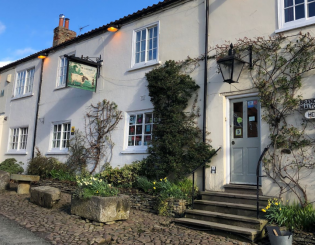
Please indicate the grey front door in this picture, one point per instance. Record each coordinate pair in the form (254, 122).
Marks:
(245, 139)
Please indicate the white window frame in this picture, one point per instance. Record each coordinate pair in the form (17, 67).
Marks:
(60, 149)
(19, 137)
(282, 26)
(140, 149)
(146, 63)
(28, 82)
(59, 71)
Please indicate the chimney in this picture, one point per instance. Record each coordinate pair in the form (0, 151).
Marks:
(62, 32)
(67, 23)
(61, 18)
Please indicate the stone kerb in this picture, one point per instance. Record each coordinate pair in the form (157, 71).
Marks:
(4, 180)
(102, 209)
(45, 196)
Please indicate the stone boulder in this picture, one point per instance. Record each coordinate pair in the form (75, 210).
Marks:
(4, 180)
(45, 196)
(102, 209)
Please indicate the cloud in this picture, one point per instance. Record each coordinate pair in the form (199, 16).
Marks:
(24, 52)
(2, 27)
(4, 63)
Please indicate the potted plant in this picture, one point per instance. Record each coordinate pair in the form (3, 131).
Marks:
(97, 200)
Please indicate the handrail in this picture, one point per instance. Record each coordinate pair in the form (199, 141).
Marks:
(258, 176)
(193, 173)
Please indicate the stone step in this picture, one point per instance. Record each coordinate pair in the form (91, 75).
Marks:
(247, 232)
(228, 219)
(242, 189)
(234, 198)
(228, 208)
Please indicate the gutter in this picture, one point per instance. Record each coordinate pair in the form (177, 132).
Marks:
(205, 89)
(37, 107)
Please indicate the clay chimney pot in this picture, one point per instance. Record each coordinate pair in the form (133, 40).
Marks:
(67, 23)
(61, 18)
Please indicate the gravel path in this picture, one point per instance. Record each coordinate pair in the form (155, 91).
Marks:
(58, 226)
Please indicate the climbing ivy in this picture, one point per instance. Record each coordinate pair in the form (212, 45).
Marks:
(177, 146)
(280, 64)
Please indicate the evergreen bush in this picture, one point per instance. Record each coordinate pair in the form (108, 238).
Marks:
(11, 166)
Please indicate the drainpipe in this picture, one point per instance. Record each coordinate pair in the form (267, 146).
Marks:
(205, 88)
(37, 107)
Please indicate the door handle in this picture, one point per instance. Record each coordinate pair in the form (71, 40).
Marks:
(233, 142)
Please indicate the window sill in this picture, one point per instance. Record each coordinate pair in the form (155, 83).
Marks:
(57, 153)
(137, 67)
(135, 151)
(295, 25)
(22, 96)
(16, 153)
(59, 88)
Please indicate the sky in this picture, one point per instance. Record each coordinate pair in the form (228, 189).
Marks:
(27, 27)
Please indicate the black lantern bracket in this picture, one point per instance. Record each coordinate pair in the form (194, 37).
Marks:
(88, 61)
(231, 66)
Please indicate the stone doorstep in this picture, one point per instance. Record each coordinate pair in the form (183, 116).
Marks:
(23, 177)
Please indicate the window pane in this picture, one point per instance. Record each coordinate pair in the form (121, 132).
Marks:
(154, 54)
(138, 36)
(252, 122)
(138, 47)
(288, 14)
(139, 129)
(132, 130)
(148, 118)
(154, 42)
(311, 9)
(132, 119)
(137, 57)
(131, 140)
(299, 12)
(143, 56)
(138, 140)
(148, 129)
(288, 3)
(147, 140)
(155, 31)
(142, 45)
(139, 118)
(151, 33)
(144, 32)
(299, 1)
(238, 120)
(150, 55)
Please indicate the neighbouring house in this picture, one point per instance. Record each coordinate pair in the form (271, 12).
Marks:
(36, 96)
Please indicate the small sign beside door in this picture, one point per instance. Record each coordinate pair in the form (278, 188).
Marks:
(310, 114)
(307, 104)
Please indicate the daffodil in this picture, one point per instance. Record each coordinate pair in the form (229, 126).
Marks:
(276, 204)
(263, 210)
(267, 208)
(280, 209)
(165, 178)
(161, 179)
(153, 183)
(154, 188)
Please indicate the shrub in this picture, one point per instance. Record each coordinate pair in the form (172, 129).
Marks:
(92, 186)
(292, 216)
(42, 166)
(125, 177)
(62, 175)
(11, 166)
(144, 184)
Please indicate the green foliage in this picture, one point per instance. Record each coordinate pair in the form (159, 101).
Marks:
(144, 184)
(11, 166)
(292, 216)
(60, 174)
(42, 166)
(78, 153)
(93, 186)
(121, 177)
(176, 147)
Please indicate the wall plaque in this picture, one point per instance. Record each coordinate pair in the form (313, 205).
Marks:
(307, 104)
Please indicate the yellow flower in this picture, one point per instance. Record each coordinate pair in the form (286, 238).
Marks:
(161, 179)
(280, 209)
(96, 191)
(276, 203)
(154, 188)
(153, 183)
(263, 210)
(165, 178)
(267, 208)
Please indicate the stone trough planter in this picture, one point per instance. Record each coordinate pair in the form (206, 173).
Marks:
(102, 209)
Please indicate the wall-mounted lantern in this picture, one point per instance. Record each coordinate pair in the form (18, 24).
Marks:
(231, 67)
(113, 28)
(42, 56)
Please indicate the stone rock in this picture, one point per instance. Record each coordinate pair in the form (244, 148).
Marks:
(4, 180)
(45, 196)
(102, 209)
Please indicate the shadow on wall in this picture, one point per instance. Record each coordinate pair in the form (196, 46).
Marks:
(64, 107)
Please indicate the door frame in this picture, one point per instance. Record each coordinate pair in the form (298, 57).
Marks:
(227, 131)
